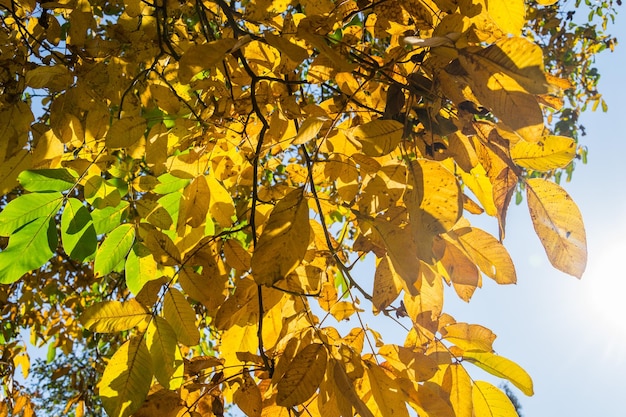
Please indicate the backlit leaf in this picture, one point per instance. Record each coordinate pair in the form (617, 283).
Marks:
(178, 312)
(78, 233)
(551, 152)
(59, 179)
(461, 390)
(29, 248)
(386, 286)
(27, 208)
(284, 240)
(163, 347)
(125, 132)
(559, 225)
(114, 316)
(469, 336)
(501, 367)
(114, 249)
(203, 57)
(126, 379)
(303, 376)
(309, 129)
(378, 137)
(489, 401)
(509, 15)
(140, 268)
(248, 396)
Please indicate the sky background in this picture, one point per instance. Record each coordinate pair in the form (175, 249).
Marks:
(570, 334)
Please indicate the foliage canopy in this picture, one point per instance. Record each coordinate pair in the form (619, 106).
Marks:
(188, 186)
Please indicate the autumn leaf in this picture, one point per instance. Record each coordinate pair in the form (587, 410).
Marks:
(303, 376)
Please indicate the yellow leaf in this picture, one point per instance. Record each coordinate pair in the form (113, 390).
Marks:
(461, 270)
(248, 396)
(303, 376)
(195, 204)
(417, 365)
(221, 204)
(550, 152)
(346, 390)
(480, 185)
(237, 340)
(203, 57)
(461, 390)
(559, 225)
(236, 256)
(387, 286)
(469, 336)
(385, 395)
(114, 316)
(163, 347)
(23, 361)
(343, 310)
(435, 201)
(294, 52)
(501, 367)
(378, 137)
(284, 240)
(125, 132)
(509, 15)
(489, 401)
(309, 129)
(55, 78)
(181, 317)
(489, 254)
(126, 379)
(11, 168)
(161, 246)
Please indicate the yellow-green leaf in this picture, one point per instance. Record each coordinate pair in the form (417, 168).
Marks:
(221, 206)
(163, 347)
(489, 401)
(303, 377)
(181, 317)
(501, 367)
(126, 379)
(378, 137)
(114, 316)
(559, 225)
(114, 248)
(140, 268)
(551, 152)
(284, 240)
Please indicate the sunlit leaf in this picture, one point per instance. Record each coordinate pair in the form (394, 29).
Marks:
(163, 347)
(558, 223)
(501, 367)
(551, 152)
(114, 316)
(378, 137)
(59, 179)
(178, 312)
(303, 376)
(125, 132)
(126, 379)
(284, 240)
(489, 401)
(78, 233)
(114, 249)
(27, 208)
(29, 248)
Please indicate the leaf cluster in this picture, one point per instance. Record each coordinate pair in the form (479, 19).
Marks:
(189, 186)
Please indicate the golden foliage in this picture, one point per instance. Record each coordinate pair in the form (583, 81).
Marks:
(196, 180)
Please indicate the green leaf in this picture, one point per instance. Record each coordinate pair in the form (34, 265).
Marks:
(501, 367)
(168, 183)
(140, 268)
(114, 316)
(59, 179)
(114, 248)
(27, 208)
(108, 218)
(126, 379)
(77, 231)
(29, 248)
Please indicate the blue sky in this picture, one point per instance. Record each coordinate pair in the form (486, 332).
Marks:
(570, 334)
